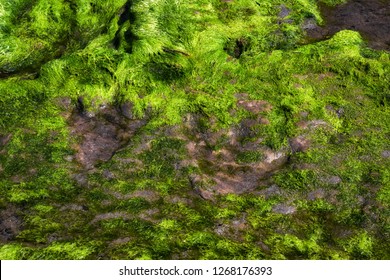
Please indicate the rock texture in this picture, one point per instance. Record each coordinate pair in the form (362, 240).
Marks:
(102, 134)
(370, 18)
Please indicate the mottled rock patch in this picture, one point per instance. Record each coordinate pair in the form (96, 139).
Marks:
(10, 224)
(4, 139)
(228, 162)
(255, 106)
(386, 154)
(299, 144)
(101, 134)
(284, 209)
(111, 215)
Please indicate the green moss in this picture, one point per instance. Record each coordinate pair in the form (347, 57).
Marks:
(174, 60)
(13, 252)
(360, 246)
(249, 157)
(134, 205)
(66, 251)
(296, 179)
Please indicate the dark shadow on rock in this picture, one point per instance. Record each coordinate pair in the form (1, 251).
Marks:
(125, 37)
(236, 48)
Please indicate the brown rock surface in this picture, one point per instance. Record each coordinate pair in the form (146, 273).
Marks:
(101, 135)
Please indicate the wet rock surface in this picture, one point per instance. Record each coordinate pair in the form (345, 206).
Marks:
(228, 163)
(333, 180)
(4, 139)
(299, 144)
(386, 154)
(235, 228)
(102, 134)
(271, 191)
(10, 224)
(371, 18)
(284, 11)
(255, 106)
(284, 209)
